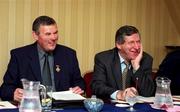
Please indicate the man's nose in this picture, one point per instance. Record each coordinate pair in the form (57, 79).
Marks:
(54, 37)
(137, 45)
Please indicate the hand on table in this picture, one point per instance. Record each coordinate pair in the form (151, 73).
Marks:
(77, 90)
(127, 92)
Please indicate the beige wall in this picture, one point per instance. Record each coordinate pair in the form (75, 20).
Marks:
(88, 26)
(174, 8)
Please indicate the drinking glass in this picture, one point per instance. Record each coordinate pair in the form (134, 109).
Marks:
(46, 99)
(131, 101)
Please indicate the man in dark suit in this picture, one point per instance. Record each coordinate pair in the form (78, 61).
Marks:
(109, 66)
(27, 62)
(170, 68)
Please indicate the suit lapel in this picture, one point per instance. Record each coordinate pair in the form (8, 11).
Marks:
(34, 62)
(58, 66)
(116, 68)
(57, 69)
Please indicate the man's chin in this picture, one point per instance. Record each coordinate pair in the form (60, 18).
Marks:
(51, 49)
(133, 57)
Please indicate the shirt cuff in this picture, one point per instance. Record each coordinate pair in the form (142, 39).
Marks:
(113, 95)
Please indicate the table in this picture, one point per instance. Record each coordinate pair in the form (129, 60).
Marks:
(107, 108)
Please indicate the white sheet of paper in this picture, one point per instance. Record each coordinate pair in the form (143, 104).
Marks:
(145, 99)
(6, 105)
(66, 96)
(118, 101)
(122, 105)
(151, 99)
(177, 98)
(141, 99)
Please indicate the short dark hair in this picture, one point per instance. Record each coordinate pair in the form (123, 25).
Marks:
(42, 20)
(123, 31)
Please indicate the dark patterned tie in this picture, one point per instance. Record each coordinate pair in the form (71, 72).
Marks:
(46, 75)
(124, 75)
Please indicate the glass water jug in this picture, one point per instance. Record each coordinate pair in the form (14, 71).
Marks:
(163, 97)
(31, 100)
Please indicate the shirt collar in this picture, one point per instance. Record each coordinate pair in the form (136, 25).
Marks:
(121, 58)
(40, 52)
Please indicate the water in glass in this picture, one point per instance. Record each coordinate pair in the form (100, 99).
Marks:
(131, 101)
(46, 98)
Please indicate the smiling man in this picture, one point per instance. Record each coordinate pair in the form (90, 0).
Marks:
(28, 62)
(124, 70)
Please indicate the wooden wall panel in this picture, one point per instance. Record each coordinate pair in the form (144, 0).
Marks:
(174, 9)
(88, 26)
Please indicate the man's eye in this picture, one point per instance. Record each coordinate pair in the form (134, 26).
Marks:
(48, 34)
(131, 43)
(56, 32)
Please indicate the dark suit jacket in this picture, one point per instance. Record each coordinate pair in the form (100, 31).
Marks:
(170, 67)
(107, 75)
(24, 63)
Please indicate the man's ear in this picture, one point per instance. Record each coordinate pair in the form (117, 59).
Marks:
(118, 45)
(34, 35)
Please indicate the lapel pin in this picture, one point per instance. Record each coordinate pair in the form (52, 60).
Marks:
(58, 68)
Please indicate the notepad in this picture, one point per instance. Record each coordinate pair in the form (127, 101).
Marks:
(6, 105)
(67, 96)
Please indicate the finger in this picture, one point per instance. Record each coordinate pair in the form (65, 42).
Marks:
(133, 90)
(70, 89)
(131, 94)
(20, 91)
(141, 47)
(126, 92)
(17, 97)
(18, 94)
(74, 89)
(77, 91)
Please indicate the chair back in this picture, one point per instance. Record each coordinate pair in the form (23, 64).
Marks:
(87, 79)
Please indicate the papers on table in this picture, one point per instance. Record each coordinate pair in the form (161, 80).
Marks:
(176, 98)
(122, 105)
(6, 105)
(141, 99)
(67, 96)
(145, 99)
(118, 101)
